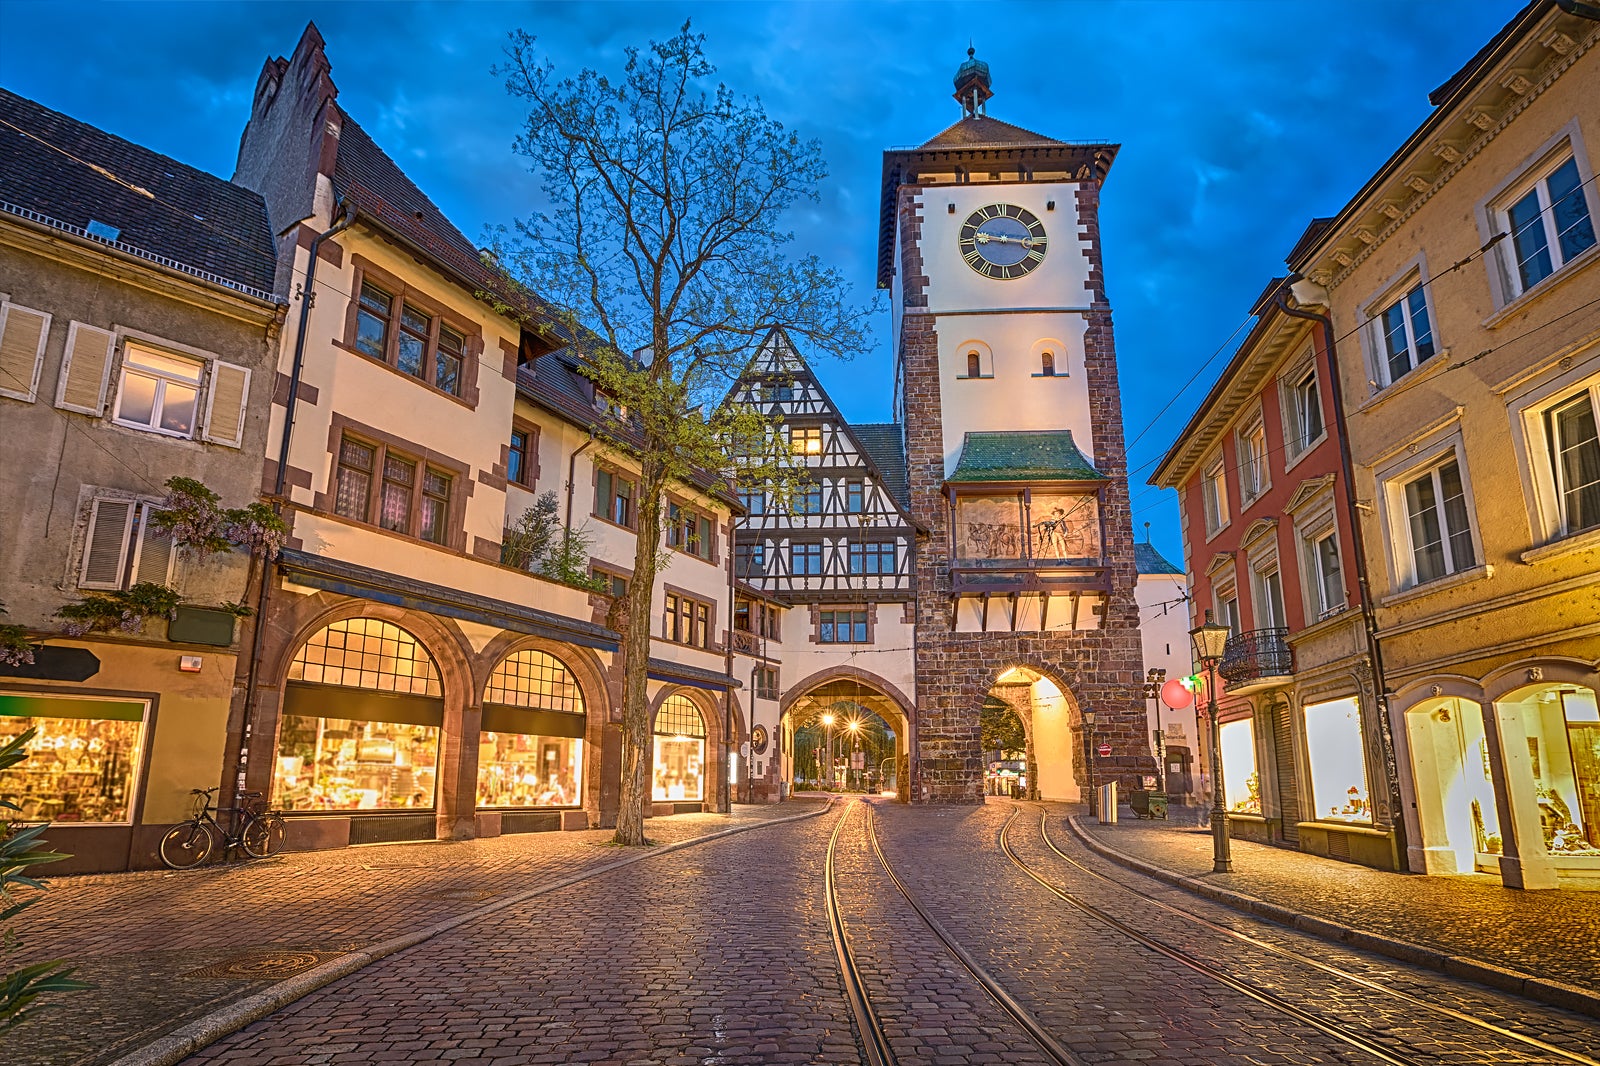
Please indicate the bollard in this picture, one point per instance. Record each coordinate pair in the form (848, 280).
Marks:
(1108, 804)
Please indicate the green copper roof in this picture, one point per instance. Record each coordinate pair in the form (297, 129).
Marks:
(1023, 455)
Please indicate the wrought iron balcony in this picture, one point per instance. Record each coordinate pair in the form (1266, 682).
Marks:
(1254, 658)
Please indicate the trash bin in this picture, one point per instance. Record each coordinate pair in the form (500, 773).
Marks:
(1108, 804)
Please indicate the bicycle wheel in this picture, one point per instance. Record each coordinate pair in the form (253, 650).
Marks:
(263, 836)
(187, 845)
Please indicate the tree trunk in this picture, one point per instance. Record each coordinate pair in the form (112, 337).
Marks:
(636, 750)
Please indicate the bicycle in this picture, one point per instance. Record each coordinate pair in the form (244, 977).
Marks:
(259, 834)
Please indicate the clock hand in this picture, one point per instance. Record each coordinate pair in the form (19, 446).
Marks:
(985, 238)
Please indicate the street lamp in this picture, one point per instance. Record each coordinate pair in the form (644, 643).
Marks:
(827, 723)
(1210, 640)
(1088, 734)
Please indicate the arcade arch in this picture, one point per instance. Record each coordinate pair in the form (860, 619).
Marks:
(1050, 721)
(882, 717)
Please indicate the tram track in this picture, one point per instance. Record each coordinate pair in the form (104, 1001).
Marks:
(878, 1050)
(1337, 1030)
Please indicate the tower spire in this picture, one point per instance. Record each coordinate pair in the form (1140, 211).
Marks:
(972, 85)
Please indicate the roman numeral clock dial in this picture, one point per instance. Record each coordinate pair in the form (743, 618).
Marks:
(1002, 241)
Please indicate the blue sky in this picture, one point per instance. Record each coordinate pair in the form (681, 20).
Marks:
(1238, 123)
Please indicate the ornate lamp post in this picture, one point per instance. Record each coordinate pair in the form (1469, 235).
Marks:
(1210, 640)
(827, 724)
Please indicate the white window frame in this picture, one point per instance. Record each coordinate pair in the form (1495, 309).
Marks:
(200, 385)
(1214, 494)
(1314, 524)
(1319, 575)
(1505, 280)
(1397, 290)
(1541, 479)
(1262, 555)
(1250, 447)
(140, 508)
(1393, 480)
(1290, 388)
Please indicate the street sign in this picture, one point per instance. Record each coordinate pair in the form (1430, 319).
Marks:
(1105, 750)
(858, 760)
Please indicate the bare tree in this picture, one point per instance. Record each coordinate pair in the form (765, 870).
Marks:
(662, 244)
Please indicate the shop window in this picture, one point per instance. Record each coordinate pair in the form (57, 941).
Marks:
(1241, 783)
(1336, 754)
(121, 550)
(613, 498)
(530, 749)
(805, 441)
(339, 749)
(680, 751)
(83, 763)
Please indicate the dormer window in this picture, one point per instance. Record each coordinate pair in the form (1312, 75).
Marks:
(608, 404)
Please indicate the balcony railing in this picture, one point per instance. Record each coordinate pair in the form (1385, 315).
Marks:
(1255, 656)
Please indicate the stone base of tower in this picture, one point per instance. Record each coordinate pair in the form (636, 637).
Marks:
(1099, 670)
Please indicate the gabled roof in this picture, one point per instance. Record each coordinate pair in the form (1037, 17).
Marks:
(67, 172)
(365, 176)
(1149, 561)
(1022, 455)
(885, 445)
(975, 131)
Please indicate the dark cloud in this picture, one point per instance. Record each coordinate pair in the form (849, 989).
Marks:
(1239, 121)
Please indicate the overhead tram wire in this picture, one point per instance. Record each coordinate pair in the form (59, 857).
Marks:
(1368, 983)
(1457, 265)
(1459, 364)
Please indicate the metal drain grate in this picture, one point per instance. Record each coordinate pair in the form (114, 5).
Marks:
(264, 965)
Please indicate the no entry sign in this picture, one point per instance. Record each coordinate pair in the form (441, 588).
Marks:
(1105, 750)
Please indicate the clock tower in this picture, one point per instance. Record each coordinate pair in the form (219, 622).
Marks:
(1006, 386)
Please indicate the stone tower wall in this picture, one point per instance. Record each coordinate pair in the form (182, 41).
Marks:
(1102, 669)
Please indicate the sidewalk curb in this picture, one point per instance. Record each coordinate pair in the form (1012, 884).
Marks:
(1541, 989)
(173, 1047)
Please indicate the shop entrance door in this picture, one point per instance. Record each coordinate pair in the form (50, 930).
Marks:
(1288, 792)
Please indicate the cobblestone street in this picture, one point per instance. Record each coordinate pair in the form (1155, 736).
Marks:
(565, 950)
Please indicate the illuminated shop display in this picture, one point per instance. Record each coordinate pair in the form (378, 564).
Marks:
(1563, 737)
(530, 753)
(82, 764)
(1241, 785)
(680, 751)
(1336, 751)
(363, 711)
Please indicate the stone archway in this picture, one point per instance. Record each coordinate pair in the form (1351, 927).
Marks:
(874, 695)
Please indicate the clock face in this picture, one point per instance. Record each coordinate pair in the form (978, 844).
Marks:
(1002, 241)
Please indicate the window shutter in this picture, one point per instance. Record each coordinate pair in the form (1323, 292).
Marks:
(23, 332)
(226, 406)
(105, 547)
(155, 558)
(84, 369)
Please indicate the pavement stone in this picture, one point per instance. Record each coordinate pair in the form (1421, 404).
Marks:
(139, 937)
(1553, 935)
